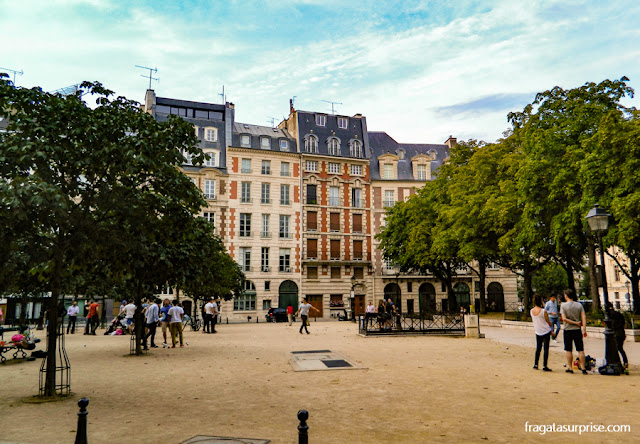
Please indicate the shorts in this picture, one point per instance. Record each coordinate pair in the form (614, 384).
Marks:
(165, 325)
(128, 321)
(573, 337)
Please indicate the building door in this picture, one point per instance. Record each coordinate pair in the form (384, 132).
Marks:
(463, 296)
(427, 298)
(392, 291)
(358, 305)
(288, 295)
(316, 301)
(495, 297)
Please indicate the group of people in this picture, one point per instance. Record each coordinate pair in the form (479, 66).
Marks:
(384, 314)
(211, 312)
(546, 321)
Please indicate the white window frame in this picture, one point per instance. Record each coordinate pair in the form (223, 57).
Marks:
(284, 260)
(245, 166)
(245, 258)
(356, 149)
(334, 168)
(333, 146)
(265, 226)
(264, 259)
(211, 134)
(266, 167)
(311, 144)
(389, 198)
(343, 122)
(209, 188)
(284, 145)
(421, 172)
(245, 192)
(245, 140)
(356, 197)
(321, 120)
(211, 162)
(285, 194)
(356, 170)
(209, 216)
(244, 227)
(284, 231)
(334, 201)
(284, 173)
(265, 193)
(311, 165)
(387, 171)
(265, 143)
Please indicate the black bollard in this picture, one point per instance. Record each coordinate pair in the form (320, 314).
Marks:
(303, 428)
(81, 433)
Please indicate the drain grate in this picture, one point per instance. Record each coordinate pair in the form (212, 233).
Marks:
(335, 363)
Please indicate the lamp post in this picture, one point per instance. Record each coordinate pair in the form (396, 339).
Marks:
(598, 220)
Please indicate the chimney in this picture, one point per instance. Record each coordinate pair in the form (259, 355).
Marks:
(451, 142)
(291, 108)
(150, 102)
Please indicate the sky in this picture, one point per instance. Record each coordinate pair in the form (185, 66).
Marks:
(419, 70)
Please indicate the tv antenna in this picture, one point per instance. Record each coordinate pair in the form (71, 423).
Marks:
(272, 120)
(224, 97)
(332, 105)
(14, 72)
(151, 72)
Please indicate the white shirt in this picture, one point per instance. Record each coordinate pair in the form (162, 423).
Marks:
(129, 311)
(371, 309)
(152, 314)
(304, 309)
(215, 308)
(540, 324)
(208, 308)
(175, 313)
(73, 310)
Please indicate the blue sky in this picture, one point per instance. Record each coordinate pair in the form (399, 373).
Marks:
(419, 70)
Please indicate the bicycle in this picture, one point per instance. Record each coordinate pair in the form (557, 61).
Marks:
(194, 323)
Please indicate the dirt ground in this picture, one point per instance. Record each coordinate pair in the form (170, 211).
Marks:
(239, 383)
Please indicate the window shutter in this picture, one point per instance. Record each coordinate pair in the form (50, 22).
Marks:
(312, 248)
(334, 222)
(335, 249)
(312, 220)
(357, 249)
(357, 223)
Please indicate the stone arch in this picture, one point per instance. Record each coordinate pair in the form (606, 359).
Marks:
(288, 295)
(392, 291)
(495, 297)
(427, 298)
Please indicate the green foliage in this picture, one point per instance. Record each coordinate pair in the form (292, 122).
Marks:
(550, 279)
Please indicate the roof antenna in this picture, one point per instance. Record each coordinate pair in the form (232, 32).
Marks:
(151, 72)
(224, 97)
(272, 120)
(21, 72)
(332, 103)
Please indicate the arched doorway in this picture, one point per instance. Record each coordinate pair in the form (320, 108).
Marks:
(463, 295)
(288, 295)
(427, 298)
(392, 291)
(495, 297)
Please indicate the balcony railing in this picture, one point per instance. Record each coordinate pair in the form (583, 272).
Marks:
(334, 202)
(389, 203)
(245, 233)
(265, 235)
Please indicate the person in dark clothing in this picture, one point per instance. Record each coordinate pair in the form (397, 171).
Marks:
(618, 328)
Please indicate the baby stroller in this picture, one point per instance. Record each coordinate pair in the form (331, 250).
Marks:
(116, 323)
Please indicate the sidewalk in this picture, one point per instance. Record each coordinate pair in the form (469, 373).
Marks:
(592, 346)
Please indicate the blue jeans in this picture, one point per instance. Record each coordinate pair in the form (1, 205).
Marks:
(555, 322)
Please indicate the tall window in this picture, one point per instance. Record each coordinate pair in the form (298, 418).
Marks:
(210, 189)
(245, 192)
(334, 196)
(284, 195)
(265, 143)
(356, 200)
(356, 170)
(245, 225)
(246, 166)
(312, 221)
(311, 144)
(311, 194)
(209, 217)
(343, 122)
(334, 221)
(264, 259)
(266, 167)
(285, 260)
(321, 120)
(211, 161)
(265, 226)
(387, 171)
(312, 248)
(312, 272)
(284, 145)
(357, 250)
(311, 165)
(265, 193)
(210, 134)
(334, 168)
(245, 258)
(335, 249)
(284, 226)
(284, 169)
(421, 171)
(334, 147)
(357, 223)
(187, 158)
(246, 301)
(389, 198)
(356, 148)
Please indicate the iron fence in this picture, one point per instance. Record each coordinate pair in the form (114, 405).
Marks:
(411, 323)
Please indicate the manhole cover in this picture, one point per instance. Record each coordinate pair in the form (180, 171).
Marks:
(336, 363)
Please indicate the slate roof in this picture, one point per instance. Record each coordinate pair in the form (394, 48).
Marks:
(258, 131)
(382, 143)
(189, 104)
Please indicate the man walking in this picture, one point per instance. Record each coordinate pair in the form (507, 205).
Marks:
(129, 313)
(208, 316)
(152, 316)
(575, 328)
(304, 314)
(175, 314)
(290, 314)
(72, 312)
(551, 308)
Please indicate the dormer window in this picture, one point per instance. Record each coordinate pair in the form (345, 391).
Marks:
(245, 140)
(421, 172)
(311, 144)
(334, 147)
(343, 122)
(211, 161)
(400, 154)
(356, 148)
(284, 145)
(387, 171)
(265, 143)
(321, 120)
(211, 134)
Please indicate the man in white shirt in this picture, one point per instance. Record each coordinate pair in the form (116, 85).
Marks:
(175, 314)
(152, 317)
(369, 315)
(129, 312)
(304, 314)
(216, 312)
(72, 312)
(208, 316)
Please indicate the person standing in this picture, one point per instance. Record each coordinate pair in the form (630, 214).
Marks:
(164, 320)
(575, 328)
(214, 317)
(72, 312)
(290, 314)
(621, 335)
(369, 314)
(176, 313)
(551, 307)
(129, 313)
(152, 317)
(93, 318)
(304, 314)
(543, 329)
(208, 316)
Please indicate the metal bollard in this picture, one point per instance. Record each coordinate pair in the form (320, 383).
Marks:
(81, 433)
(303, 428)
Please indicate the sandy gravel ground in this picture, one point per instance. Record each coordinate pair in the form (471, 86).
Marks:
(240, 383)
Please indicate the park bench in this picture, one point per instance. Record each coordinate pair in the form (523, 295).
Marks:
(8, 345)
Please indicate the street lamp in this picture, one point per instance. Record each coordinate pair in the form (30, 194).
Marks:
(598, 220)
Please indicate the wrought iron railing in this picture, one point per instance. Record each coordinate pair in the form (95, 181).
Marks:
(411, 323)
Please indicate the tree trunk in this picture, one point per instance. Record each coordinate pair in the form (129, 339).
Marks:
(593, 279)
(528, 278)
(52, 332)
(569, 269)
(483, 278)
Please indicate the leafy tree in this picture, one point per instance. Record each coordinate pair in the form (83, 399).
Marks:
(550, 279)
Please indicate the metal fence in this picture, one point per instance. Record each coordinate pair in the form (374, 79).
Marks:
(411, 323)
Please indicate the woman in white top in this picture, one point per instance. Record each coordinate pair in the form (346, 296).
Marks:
(542, 326)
